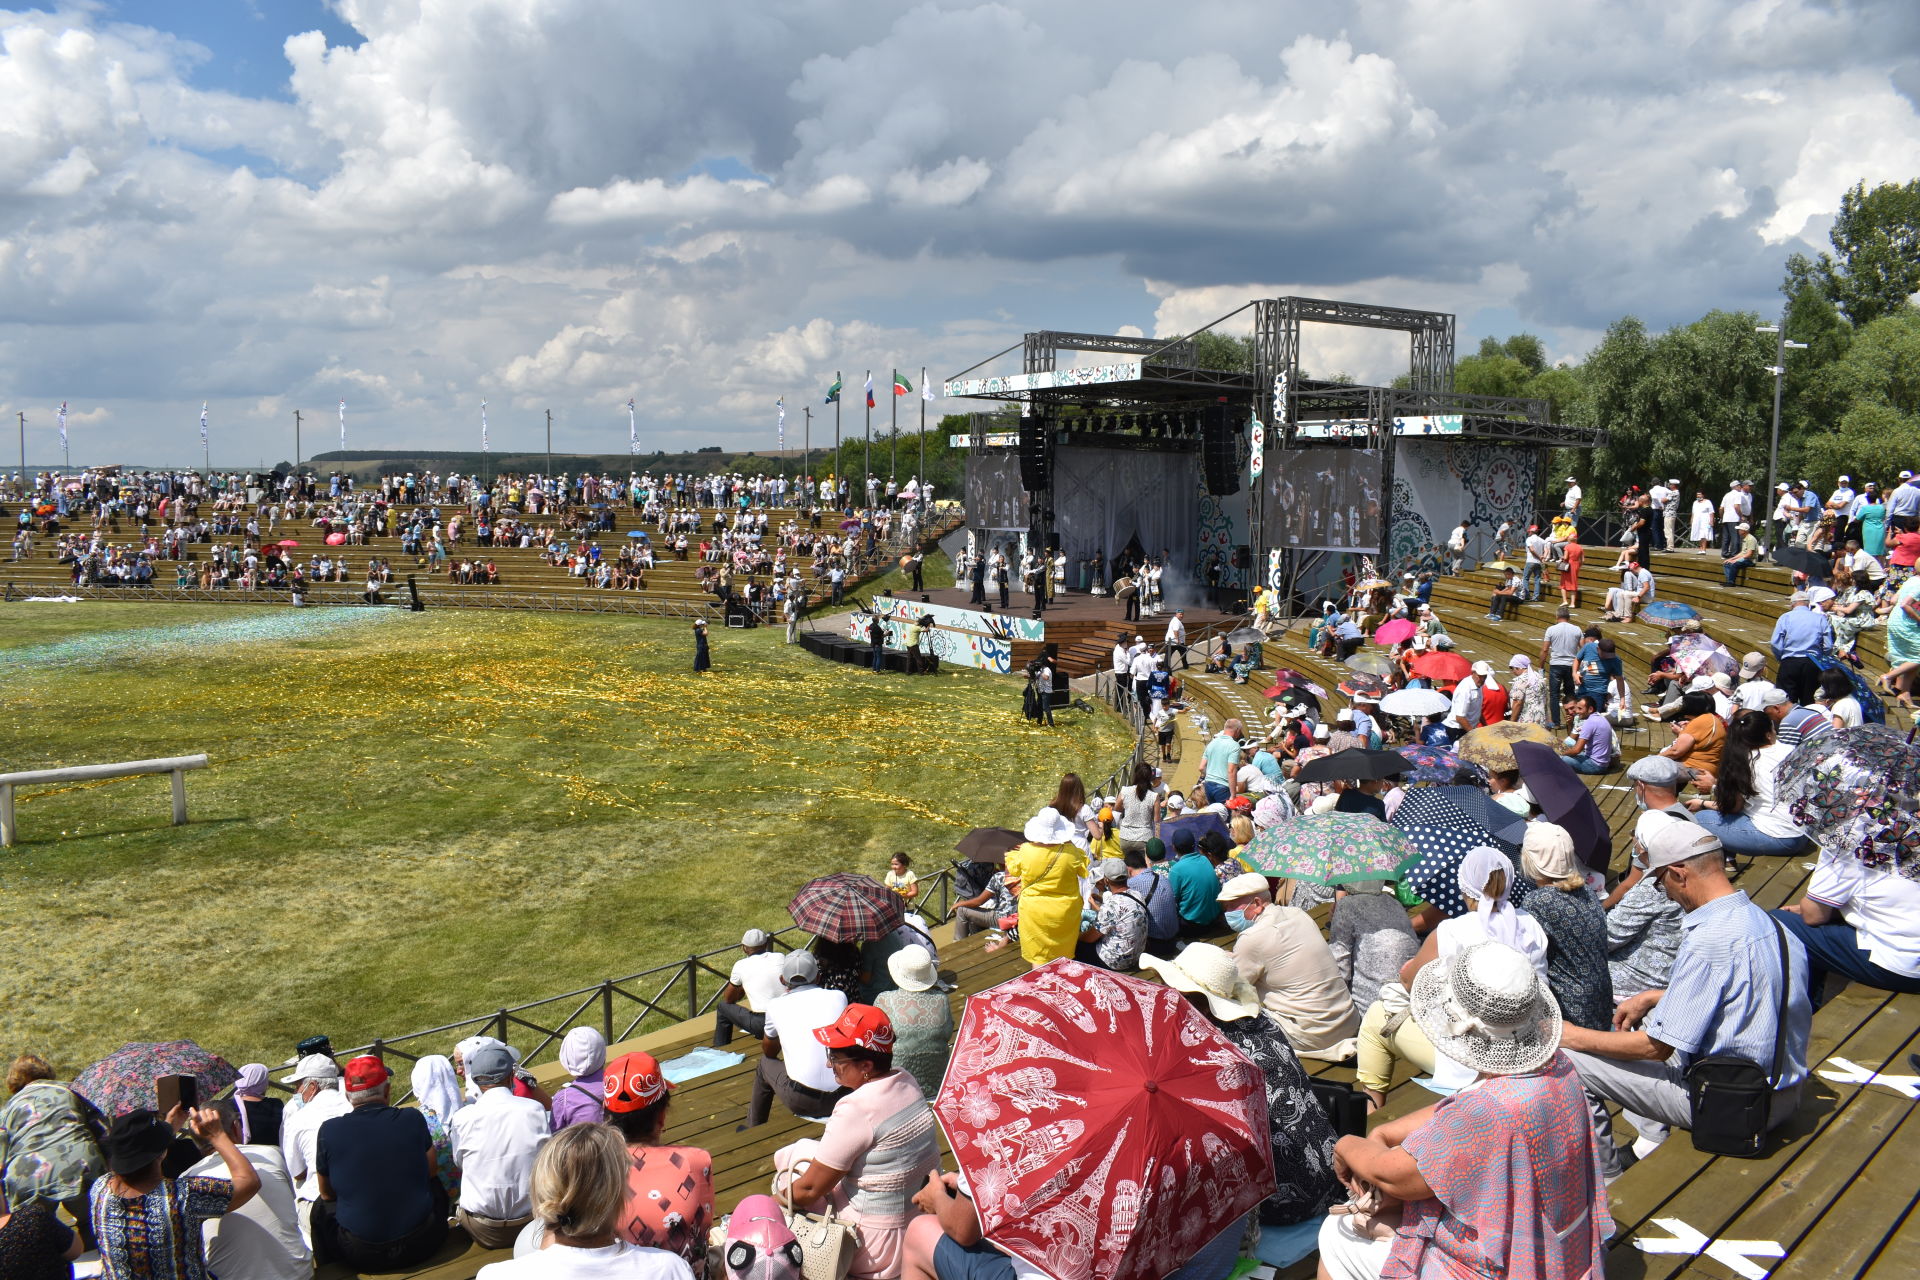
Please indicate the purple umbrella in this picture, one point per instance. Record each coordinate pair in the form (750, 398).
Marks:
(123, 1080)
(1565, 800)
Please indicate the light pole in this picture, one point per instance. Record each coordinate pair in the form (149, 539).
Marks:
(1779, 371)
(549, 446)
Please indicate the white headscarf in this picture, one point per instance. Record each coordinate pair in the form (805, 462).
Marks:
(1497, 916)
(583, 1052)
(435, 1086)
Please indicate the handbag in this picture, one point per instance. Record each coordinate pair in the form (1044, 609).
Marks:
(1731, 1098)
(827, 1243)
(1345, 1106)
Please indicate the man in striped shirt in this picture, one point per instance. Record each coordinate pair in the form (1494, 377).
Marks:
(1791, 725)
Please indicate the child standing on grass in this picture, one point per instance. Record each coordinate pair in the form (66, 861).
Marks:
(900, 877)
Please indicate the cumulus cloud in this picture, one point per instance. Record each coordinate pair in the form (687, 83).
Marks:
(561, 203)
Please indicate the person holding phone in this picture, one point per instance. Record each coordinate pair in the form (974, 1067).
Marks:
(148, 1224)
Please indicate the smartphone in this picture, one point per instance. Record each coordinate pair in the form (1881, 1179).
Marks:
(171, 1091)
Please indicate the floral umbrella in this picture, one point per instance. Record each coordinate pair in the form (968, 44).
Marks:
(123, 1080)
(1854, 792)
(1491, 745)
(1331, 848)
(1362, 685)
(1696, 654)
(1434, 765)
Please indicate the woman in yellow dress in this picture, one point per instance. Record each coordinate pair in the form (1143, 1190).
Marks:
(1049, 868)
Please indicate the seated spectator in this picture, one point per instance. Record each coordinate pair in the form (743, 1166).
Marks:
(1119, 932)
(35, 1244)
(1574, 923)
(1743, 556)
(755, 978)
(48, 1158)
(985, 909)
(921, 1015)
(317, 1082)
(1860, 922)
(1281, 952)
(583, 1055)
(1592, 748)
(1195, 885)
(1506, 597)
(880, 1144)
(1699, 736)
(256, 1116)
(381, 1207)
(436, 1092)
(494, 1142)
(1723, 997)
(669, 1188)
(1643, 924)
(149, 1224)
(262, 1237)
(1745, 810)
(1151, 884)
(875, 976)
(793, 1066)
(1301, 1134)
(1497, 1180)
(579, 1191)
(1369, 936)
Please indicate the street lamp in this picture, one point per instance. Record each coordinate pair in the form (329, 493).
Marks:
(1779, 371)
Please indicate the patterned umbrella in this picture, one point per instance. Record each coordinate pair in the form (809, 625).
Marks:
(1331, 848)
(123, 1080)
(1434, 766)
(1297, 698)
(1371, 584)
(1394, 631)
(1362, 685)
(1436, 876)
(1854, 793)
(1442, 666)
(1105, 1126)
(1698, 654)
(845, 907)
(1491, 745)
(1667, 613)
(1373, 664)
(1464, 809)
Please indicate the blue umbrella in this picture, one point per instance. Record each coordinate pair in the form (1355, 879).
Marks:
(636, 534)
(1198, 823)
(1667, 613)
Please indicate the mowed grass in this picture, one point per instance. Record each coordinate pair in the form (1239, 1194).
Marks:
(414, 818)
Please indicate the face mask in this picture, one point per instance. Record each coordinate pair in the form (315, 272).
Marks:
(1238, 922)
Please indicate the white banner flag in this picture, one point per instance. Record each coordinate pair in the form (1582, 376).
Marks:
(203, 424)
(483, 426)
(926, 388)
(780, 403)
(63, 428)
(633, 429)
(343, 424)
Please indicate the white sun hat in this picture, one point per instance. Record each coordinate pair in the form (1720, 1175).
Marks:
(1488, 1009)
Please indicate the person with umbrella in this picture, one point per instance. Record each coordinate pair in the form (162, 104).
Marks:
(1281, 952)
(1498, 1179)
(149, 1225)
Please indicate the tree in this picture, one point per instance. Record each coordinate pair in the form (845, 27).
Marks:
(1870, 405)
(1876, 236)
(1491, 374)
(1524, 347)
(1223, 351)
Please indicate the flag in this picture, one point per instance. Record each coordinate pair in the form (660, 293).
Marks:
(343, 424)
(926, 388)
(833, 392)
(483, 426)
(63, 426)
(203, 424)
(869, 391)
(901, 387)
(633, 429)
(780, 403)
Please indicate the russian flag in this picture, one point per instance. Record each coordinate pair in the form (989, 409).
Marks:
(869, 391)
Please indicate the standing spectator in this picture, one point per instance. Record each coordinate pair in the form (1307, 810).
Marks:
(381, 1208)
(1800, 635)
(1570, 504)
(669, 1188)
(755, 978)
(899, 877)
(1572, 557)
(1493, 699)
(149, 1224)
(792, 1066)
(1177, 639)
(494, 1142)
(1731, 505)
(1457, 547)
(583, 1055)
(46, 1145)
(1666, 506)
(921, 1015)
(1526, 692)
(1222, 758)
(1049, 867)
(1539, 552)
(1700, 523)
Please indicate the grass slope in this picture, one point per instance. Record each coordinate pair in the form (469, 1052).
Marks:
(413, 818)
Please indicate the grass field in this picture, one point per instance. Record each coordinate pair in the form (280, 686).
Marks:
(414, 818)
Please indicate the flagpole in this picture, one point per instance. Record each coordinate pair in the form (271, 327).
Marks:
(926, 390)
(836, 434)
(66, 456)
(806, 447)
(867, 466)
(893, 444)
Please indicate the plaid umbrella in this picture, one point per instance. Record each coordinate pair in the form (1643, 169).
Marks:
(1362, 685)
(123, 1080)
(1491, 745)
(1373, 664)
(1433, 765)
(1330, 848)
(845, 907)
(1854, 793)
(988, 844)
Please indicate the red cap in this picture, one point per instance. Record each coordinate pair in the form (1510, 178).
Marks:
(366, 1072)
(861, 1027)
(1240, 802)
(634, 1082)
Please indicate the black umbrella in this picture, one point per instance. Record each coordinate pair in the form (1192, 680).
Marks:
(988, 844)
(1565, 800)
(1354, 764)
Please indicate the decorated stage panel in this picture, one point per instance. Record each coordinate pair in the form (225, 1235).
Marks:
(962, 637)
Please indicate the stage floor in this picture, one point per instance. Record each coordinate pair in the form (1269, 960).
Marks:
(1075, 606)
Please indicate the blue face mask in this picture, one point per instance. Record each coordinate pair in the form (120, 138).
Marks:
(1238, 922)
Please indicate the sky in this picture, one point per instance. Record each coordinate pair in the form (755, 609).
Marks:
(415, 205)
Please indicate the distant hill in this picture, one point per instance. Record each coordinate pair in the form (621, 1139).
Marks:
(370, 463)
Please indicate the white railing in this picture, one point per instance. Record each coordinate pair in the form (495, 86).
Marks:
(175, 765)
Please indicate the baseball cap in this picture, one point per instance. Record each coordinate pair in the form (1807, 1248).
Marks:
(1761, 694)
(860, 1026)
(1176, 801)
(366, 1072)
(1743, 525)
(315, 1066)
(1798, 597)
(1675, 841)
(1783, 486)
(754, 938)
(1244, 885)
(634, 1083)
(1483, 668)
(1111, 869)
(1846, 479)
(1752, 664)
(488, 1062)
(799, 966)
(1657, 771)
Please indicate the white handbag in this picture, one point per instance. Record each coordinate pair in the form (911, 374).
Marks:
(827, 1243)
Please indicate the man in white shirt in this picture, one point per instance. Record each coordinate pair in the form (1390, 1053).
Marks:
(1465, 713)
(1842, 496)
(1571, 503)
(1730, 517)
(756, 977)
(1177, 639)
(1142, 666)
(1539, 552)
(261, 1239)
(793, 1064)
(1860, 922)
(1867, 570)
(494, 1142)
(1663, 499)
(317, 1079)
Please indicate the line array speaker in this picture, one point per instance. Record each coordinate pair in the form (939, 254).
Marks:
(1219, 452)
(1036, 454)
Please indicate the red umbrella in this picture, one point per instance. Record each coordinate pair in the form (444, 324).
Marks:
(1442, 665)
(845, 907)
(1105, 1126)
(286, 542)
(1394, 632)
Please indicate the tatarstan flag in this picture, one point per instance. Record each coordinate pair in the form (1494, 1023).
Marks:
(833, 392)
(901, 387)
